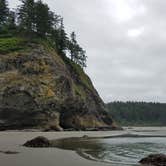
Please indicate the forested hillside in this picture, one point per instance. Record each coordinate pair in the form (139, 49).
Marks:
(138, 113)
(33, 20)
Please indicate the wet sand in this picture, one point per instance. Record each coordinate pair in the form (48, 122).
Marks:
(13, 140)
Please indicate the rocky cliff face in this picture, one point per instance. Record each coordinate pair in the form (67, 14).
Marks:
(40, 89)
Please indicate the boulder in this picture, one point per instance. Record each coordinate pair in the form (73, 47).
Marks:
(38, 142)
(154, 160)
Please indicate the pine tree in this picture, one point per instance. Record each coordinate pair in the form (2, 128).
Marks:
(77, 54)
(43, 18)
(52, 22)
(3, 11)
(62, 38)
(27, 15)
(72, 46)
(11, 21)
(82, 57)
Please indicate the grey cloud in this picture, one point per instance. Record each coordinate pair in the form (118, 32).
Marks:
(121, 67)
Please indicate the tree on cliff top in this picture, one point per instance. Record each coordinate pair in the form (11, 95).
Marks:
(77, 54)
(26, 15)
(61, 38)
(3, 11)
(44, 18)
(35, 17)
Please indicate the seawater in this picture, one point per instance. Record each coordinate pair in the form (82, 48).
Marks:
(117, 151)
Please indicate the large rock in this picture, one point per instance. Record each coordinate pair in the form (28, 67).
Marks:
(154, 160)
(40, 89)
(38, 142)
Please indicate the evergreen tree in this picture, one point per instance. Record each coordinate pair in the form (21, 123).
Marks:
(53, 21)
(3, 11)
(54, 32)
(82, 57)
(56, 21)
(72, 46)
(62, 38)
(43, 18)
(77, 54)
(27, 15)
(11, 21)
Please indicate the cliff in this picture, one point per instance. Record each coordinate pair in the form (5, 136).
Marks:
(43, 90)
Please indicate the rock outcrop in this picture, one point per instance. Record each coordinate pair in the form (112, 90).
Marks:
(154, 160)
(43, 90)
(40, 141)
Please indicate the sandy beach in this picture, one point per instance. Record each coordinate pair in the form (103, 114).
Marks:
(13, 140)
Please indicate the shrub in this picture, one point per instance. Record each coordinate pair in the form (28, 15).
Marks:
(11, 44)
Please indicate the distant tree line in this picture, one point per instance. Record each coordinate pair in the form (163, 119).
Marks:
(35, 18)
(138, 113)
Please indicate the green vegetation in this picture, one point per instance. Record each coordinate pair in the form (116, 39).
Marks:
(138, 113)
(11, 44)
(80, 75)
(3, 11)
(33, 19)
(76, 52)
(83, 78)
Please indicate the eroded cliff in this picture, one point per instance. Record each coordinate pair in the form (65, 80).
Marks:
(41, 89)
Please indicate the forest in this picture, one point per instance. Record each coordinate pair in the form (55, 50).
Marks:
(34, 20)
(138, 113)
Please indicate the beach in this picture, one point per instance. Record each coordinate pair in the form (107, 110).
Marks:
(13, 141)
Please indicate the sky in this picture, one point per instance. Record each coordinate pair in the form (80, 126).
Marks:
(125, 41)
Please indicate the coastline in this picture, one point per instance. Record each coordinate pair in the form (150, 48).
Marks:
(13, 141)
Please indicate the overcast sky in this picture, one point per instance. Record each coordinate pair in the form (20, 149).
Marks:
(125, 42)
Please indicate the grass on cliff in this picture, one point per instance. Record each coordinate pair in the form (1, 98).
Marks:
(11, 44)
(79, 73)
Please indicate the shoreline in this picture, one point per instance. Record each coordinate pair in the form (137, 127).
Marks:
(13, 141)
